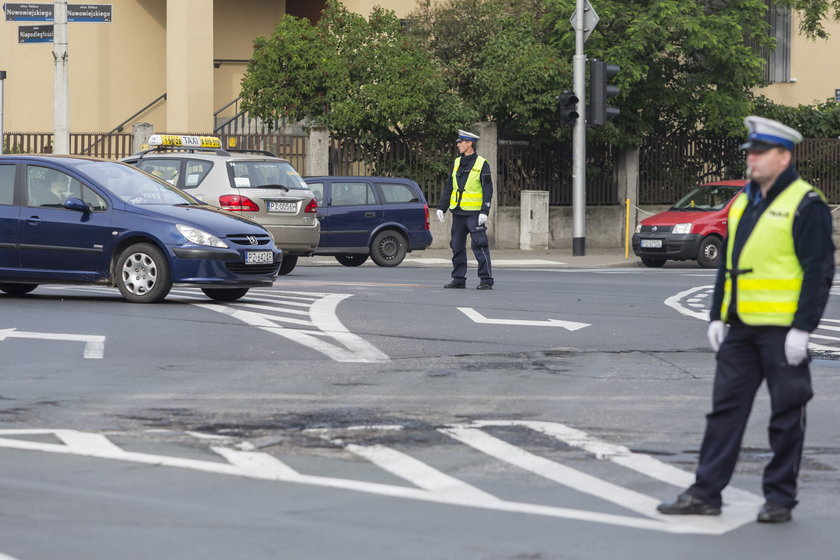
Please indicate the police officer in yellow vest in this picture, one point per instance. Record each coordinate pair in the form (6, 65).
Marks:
(468, 198)
(772, 288)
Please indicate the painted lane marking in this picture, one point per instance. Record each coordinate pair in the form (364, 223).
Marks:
(94, 344)
(6, 557)
(435, 486)
(477, 317)
(674, 302)
(316, 323)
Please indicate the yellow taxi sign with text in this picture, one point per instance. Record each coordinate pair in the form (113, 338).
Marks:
(184, 141)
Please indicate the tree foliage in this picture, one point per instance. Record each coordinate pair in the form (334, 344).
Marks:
(357, 76)
(820, 120)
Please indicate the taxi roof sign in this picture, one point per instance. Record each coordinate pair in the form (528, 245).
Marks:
(185, 141)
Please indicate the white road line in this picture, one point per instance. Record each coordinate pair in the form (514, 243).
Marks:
(477, 317)
(420, 474)
(674, 303)
(94, 344)
(6, 557)
(264, 467)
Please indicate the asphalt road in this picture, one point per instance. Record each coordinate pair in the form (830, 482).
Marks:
(354, 413)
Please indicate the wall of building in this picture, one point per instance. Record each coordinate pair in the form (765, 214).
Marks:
(814, 67)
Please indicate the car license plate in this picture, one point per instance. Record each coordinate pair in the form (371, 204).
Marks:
(274, 206)
(259, 257)
(651, 243)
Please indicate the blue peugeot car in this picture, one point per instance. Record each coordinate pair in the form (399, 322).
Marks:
(76, 220)
(380, 217)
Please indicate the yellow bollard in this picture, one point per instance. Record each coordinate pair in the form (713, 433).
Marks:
(627, 229)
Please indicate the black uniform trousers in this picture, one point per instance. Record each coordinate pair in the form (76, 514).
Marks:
(462, 225)
(747, 356)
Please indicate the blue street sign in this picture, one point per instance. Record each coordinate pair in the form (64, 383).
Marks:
(35, 34)
(96, 13)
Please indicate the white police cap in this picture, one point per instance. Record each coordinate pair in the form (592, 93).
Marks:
(464, 135)
(767, 133)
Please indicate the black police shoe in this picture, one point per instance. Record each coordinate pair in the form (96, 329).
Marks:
(484, 286)
(455, 284)
(774, 512)
(686, 504)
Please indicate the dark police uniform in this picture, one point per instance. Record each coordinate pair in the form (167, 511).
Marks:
(754, 348)
(465, 222)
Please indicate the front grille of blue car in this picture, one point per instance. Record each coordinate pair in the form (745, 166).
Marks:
(243, 269)
(244, 239)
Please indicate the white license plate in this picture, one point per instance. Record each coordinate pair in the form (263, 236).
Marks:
(651, 243)
(282, 206)
(259, 257)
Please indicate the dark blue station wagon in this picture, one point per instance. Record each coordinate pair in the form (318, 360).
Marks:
(74, 220)
(380, 217)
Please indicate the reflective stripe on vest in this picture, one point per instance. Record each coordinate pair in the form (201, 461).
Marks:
(472, 195)
(771, 278)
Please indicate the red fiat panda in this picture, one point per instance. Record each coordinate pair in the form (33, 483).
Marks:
(692, 229)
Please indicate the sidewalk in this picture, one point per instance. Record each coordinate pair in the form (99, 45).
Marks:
(506, 258)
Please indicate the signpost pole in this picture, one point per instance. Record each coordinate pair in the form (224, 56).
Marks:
(579, 138)
(2, 82)
(61, 136)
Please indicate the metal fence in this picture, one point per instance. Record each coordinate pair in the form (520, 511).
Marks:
(427, 162)
(96, 144)
(549, 168)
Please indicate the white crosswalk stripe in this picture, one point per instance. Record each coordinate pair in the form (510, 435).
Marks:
(430, 484)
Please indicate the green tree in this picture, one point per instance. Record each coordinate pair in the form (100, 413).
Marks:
(360, 77)
(497, 57)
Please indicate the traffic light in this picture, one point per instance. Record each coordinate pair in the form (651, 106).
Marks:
(568, 108)
(600, 90)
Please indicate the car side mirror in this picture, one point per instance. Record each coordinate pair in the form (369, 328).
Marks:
(76, 204)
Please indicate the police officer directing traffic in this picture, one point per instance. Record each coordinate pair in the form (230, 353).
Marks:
(772, 287)
(468, 198)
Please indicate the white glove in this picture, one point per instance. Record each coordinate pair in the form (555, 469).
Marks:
(716, 334)
(440, 214)
(482, 219)
(796, 346)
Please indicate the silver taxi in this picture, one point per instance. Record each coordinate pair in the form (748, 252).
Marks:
(257, 185)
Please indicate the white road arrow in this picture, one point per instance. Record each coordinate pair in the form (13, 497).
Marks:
(94, 344)
(479, 318)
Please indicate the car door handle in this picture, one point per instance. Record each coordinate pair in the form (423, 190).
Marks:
(33, 220)
(370, 214)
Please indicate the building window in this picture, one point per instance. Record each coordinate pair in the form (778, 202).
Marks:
(777, 62)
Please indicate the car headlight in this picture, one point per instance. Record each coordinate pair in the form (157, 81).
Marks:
(682, 228)
(200, 237)
(638, 228)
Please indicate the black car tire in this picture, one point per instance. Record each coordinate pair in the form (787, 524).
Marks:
(142, 274)
(351, 260)
(225, 294)
(288, 264)
(653, 263)
(708, 256)
(388, 248)
(17, 289)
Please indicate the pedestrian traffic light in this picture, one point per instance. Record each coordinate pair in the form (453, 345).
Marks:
(600, 90)
(568, 102)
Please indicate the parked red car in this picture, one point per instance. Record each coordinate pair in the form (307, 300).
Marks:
(692, 229)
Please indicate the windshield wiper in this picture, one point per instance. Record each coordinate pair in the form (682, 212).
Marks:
(273, 186)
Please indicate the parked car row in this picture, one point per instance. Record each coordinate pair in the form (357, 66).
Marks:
(188, 212)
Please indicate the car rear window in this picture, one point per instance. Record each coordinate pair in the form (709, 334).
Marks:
(397, 192)
(7, 184)
(265, 174)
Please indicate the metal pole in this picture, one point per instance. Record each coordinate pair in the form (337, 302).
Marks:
(579, 139)
(2, 82)
(61, 133)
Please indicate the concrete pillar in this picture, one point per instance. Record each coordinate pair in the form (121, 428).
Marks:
(189, 66)
(533, 220)
(318, 152)
(628, 184)
(488, 148)
(140, 133)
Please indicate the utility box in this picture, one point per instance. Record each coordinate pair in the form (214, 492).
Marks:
(533, 220)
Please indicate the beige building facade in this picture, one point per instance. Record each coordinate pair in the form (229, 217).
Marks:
(195, 52)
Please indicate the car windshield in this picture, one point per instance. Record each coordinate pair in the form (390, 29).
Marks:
(136, 187)
(707, 198)
(265, 174)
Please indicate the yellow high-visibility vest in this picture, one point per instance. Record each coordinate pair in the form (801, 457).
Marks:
(472, 195)
(768, 294)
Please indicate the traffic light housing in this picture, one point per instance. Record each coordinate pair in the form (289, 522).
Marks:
(600, 91)
(568, 102)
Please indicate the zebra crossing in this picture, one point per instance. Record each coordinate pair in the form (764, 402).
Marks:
(426, 482)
